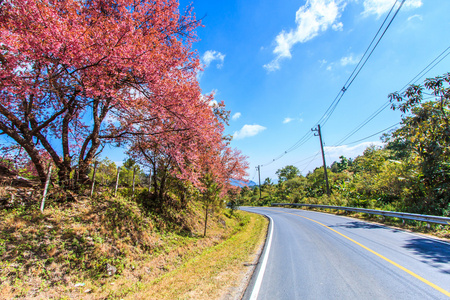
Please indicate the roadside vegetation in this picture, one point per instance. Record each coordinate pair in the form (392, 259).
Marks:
(109, 247)
(409, 173)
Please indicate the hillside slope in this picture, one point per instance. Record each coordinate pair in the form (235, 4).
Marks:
(106, 247)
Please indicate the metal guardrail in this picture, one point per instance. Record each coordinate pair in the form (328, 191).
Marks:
(400, 215)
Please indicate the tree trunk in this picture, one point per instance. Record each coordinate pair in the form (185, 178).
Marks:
(27, 143)
(87, 156)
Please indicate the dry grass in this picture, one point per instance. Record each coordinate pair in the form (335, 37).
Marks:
(62, 253)
(215, 274)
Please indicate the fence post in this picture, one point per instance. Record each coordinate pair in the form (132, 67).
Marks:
(117, 181)
(93, 178)
(47, 182)
(134, 176)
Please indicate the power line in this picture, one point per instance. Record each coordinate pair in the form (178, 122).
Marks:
(425, 70)
(297, 145)
(302, 160)
(372, 135)
(364, 123)
(359, 66)
(330, 110)
(317, 154)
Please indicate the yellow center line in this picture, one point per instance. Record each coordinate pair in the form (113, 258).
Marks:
(380, 256)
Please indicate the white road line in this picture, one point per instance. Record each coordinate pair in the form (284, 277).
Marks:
(258, 282)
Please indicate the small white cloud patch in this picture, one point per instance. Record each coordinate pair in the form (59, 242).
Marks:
(419, 17)
(380, 7)
(211, 56)
(248, 131)
(337, 27)
(287, 120)
(213, 103)
(236, 116)
(349, 60)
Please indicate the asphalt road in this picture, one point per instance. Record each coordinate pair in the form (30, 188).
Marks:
(311, 255)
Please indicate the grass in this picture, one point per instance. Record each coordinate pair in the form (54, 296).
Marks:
(217, 271)
(63, 253)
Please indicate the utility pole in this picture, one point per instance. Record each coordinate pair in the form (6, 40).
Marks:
(259, 176)
(319, 133)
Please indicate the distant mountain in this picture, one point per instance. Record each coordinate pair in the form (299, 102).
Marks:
(242, 183)
(251, 183)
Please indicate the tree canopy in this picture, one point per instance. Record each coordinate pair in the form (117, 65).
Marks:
(78, 75)
(288, 172)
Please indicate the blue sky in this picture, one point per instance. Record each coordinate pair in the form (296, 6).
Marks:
(279, 65)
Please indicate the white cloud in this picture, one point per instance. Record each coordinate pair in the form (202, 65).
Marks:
(333, 153)
(337, 27)
(247, 131)
(236, 116)
(317, 16)
(213, 103)
(210, 56)
(379, 7)
(344, 61)
(314, 17)
(349, 60)
(287, 120)
(415, 17)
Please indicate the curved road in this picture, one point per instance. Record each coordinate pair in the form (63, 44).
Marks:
(312, 255)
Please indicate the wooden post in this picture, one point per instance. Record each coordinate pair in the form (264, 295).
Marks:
(47, 182)
(117, 181)
(93, 178)
(206, 219)
(134, 177)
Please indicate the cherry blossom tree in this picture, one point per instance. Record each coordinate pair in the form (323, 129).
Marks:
(76, 75)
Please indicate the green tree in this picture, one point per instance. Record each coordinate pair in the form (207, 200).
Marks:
(295, 189)
(316, 185)
(343, 164)
(267, 182)
(210, 196)
(426, 127)
(106, 172)
(126, 173)
(287, 173)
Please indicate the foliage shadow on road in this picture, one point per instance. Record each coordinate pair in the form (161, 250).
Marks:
(363, 225)
(434, 253)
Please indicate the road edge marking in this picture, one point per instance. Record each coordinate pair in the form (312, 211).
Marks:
(262, 270)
